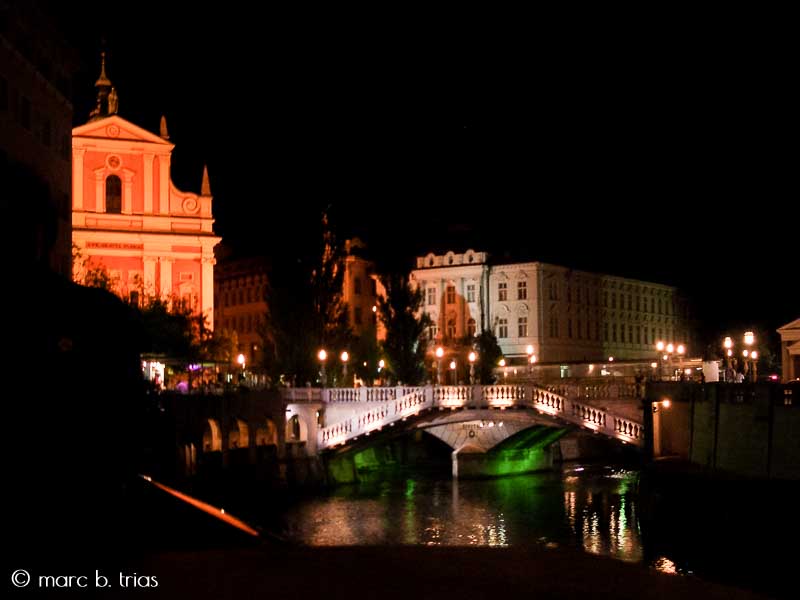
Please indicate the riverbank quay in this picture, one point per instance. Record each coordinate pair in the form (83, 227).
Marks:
(404, 572)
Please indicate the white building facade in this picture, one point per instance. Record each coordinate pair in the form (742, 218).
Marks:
(564, 314)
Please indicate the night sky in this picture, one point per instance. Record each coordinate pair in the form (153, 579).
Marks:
(598, 152)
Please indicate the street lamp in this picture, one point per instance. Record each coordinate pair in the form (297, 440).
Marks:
(345, 357)
(749, 340)
(472, 356)
(322, 356)
(453, 369)
(241, 361)
(666, 350)
(439, 355)
(529, 352)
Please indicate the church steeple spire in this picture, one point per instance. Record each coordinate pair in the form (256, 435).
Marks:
(205, 189)
(164, 133)
(107, 100)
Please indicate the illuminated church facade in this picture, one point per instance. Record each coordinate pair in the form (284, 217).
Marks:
(129, 219)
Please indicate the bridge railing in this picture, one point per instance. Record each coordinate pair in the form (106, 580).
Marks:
(375, 417)
(384, 406)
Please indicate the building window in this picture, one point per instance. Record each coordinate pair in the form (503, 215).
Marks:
(433, 331)
(451, 328)
(605, 299)
(613, 300)
(451, 294)
(502, 328)
(553, 291)
(569, 328)
(357, 286)
(578, 294)
(652, 305)
(357, 315)
(638, 334)
(614, 332)
(622, 333)
(580, 330)
(553, 326)
(471, 328)
(113, 194)
(522, 327)
(659, 306)
(471, 292)
(431, 296)
(502, 292)
(638, 303)
(522, 290)
(605, 332)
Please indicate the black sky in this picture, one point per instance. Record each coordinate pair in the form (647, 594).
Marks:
(668, 159)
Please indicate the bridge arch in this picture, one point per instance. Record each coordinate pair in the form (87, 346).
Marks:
(239, 435)
(296, 429)
(267, 434)
(212, 436)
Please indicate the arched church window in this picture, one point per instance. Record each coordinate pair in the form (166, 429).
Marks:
(113, 194)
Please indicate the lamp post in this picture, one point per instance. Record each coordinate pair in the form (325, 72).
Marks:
(322, 356)
(727, 343)
(241, 361)
(472, 356)
(666, 351)
(749, 340)
(453, 370)
(529, 352)
(439, 355)
(345, 357)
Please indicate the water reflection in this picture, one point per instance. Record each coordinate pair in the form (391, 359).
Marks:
(588, 509)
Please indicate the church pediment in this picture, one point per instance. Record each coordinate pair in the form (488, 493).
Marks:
(117, 128)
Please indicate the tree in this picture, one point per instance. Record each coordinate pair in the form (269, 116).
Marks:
(307, 312)
(489, 354)
(405, 325)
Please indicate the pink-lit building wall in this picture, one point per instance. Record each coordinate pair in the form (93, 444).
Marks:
(129, 218)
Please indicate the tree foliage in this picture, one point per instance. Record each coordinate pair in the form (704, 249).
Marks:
(489, 354)
(405, 325)
(307, 313)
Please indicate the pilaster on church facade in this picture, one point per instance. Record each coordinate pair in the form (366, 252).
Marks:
(130, 219)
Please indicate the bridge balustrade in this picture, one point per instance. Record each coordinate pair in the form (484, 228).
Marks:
(502, 396)
(452, 396)
(379, 407)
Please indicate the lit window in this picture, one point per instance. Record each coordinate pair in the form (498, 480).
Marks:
(502, 328)
(502, 291)
(431, 296)
(471, 292)
(113, 194)
(522, 290)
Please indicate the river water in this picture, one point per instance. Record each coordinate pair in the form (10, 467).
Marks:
(590, 508)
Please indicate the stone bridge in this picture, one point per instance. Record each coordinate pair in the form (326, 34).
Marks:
(284, 434)
(474, 421)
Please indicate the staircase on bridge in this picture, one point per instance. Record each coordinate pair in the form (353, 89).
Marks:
(376, 408)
